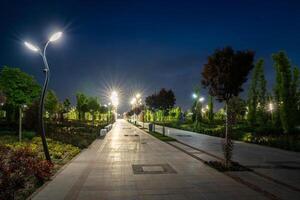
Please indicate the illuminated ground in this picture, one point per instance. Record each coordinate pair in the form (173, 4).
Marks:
(130, 164)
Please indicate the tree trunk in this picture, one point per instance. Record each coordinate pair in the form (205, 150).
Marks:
(20, 123)
(154, 122)
(163, 119)
(226, 136)
(226, 121)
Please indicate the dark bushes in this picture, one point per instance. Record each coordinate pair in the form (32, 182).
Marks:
(19, 168)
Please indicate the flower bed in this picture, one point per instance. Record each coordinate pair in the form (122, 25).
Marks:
(22, 165)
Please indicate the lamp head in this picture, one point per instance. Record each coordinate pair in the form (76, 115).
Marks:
(55, 36)
(31, 46)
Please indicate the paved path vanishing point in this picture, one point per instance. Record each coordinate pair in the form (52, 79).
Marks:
(277, 171)
(129, 164)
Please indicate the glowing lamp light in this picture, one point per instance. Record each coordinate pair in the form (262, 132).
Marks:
(201, 99)
(55, 36)
(114, 98)
(138, 95)
(133, 101)
(31, 46)
(271, 107)
(194, 96)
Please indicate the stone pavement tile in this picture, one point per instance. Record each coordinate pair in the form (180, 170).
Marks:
(108, 174)
(164, 197)
(108, 195)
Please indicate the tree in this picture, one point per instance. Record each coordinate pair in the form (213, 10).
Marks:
(82, 105)
(164, 100)
(64, 108)
(296, 95)
(51, 104)
(19, 88)
(2, 98)
(285, 91)
(93, 106)
(257, 94)
(224, 74)
(210, 109)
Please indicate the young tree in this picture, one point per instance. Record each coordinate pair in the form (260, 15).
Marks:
(285, 91)
(164, 101)
(151, 103)
(82, 105)
(224, 74)
(93, 106)
(51, 104)
(257, 94)
(64, 108)
(19, 89)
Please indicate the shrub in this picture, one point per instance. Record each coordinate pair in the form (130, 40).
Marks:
(18, 167)
(28, 134)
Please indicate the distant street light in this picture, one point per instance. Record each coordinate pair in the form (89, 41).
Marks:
(135, 102)
(201, 99)
(271, 108)
(198, 99)
(194, 95)
(114, 98)
(46, 70)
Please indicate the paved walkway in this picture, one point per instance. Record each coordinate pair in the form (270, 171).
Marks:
(130, 164)
(277, 165)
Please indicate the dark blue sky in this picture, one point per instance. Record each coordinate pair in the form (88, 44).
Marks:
(142, 45)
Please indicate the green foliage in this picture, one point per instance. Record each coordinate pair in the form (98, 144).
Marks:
(224, 74)
(285, 92)
(18, 167)
(82, 105)
(210, 111)
(31, 116)
(76, 133)
(93, 106)
(23, 167)
(51, 103)
(164, 100)
(19, 88)
(257, 95)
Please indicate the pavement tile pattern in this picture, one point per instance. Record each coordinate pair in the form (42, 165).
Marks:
(104, 171)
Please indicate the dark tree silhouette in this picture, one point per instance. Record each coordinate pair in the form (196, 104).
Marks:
(164, 100)
(224, 74)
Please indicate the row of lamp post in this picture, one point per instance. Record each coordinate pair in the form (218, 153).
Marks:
(135, 102)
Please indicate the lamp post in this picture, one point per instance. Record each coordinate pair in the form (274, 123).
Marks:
(46, 70)
(135, 102)
(21, 107)
(198, 99)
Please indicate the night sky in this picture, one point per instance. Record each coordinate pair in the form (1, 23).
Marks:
(142, 45)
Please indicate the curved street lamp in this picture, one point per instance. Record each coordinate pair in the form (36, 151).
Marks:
(46, 70)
